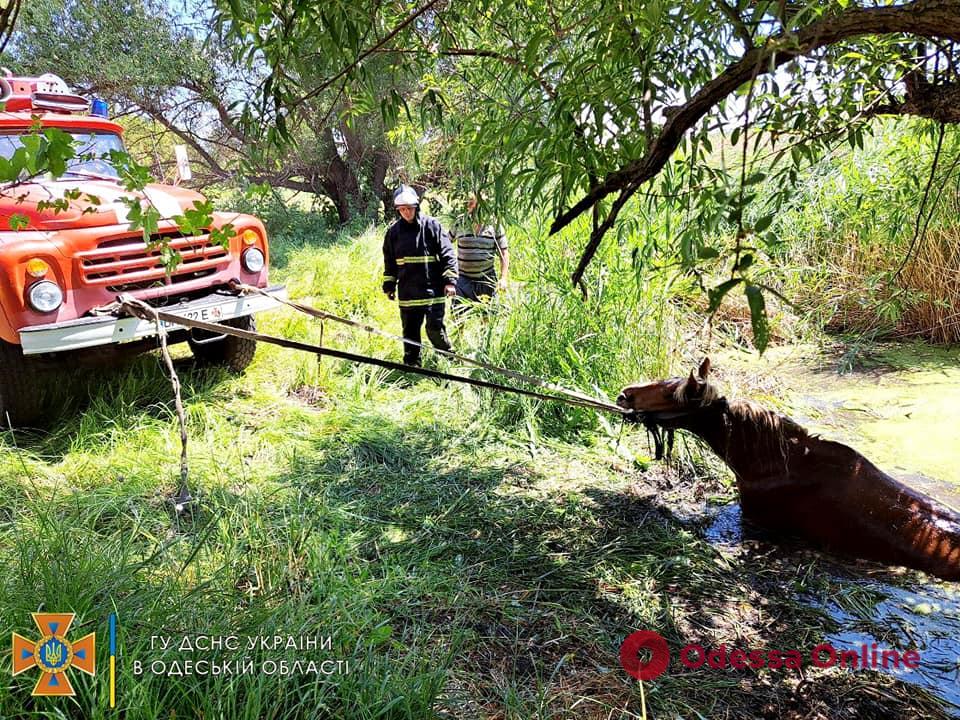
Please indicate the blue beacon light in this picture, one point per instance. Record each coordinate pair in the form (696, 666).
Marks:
(99, 108)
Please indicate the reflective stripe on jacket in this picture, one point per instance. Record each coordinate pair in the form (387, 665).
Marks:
(418, 260)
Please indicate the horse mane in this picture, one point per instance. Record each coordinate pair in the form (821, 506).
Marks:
(764, 420)
(764, 434)
(758, 417)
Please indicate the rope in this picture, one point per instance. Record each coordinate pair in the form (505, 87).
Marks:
(142, 310)
(128, 304)
(529, 379)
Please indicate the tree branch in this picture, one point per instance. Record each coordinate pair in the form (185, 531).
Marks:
(923, 18)
(739, 27)
(213, 97)
(599, 231)
(190, 140)
(366, 53)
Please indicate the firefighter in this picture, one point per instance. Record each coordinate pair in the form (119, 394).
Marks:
(420, 268)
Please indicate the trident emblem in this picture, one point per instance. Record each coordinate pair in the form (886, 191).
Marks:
(54, 654)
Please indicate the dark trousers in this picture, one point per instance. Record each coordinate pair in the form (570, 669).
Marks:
(472, 291)
(412, 320)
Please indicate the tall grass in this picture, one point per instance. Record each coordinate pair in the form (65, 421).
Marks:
(542, 326)
(619, 332)
(855, 236)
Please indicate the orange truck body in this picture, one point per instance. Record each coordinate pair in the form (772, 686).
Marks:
(92, 253)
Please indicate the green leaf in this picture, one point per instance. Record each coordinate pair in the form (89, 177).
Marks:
(19, 221)
(59, 148)
(8, 170)
(143, 216)
(197, 219)
(758, 317)
(763, 223)
(717, 293)
(221, 236)
(379, 635)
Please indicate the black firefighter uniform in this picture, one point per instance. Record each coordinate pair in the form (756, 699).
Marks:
(419, 260)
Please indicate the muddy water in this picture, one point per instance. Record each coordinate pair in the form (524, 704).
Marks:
(900, 407)
(925, 617)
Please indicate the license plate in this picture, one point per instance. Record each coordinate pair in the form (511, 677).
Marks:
(207, 314)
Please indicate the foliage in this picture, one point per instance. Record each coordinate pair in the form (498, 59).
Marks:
(876, 256)
(46, 152)
(108, 43)
(174, 71)
(566, 105)
(292, 221)
(151, 144)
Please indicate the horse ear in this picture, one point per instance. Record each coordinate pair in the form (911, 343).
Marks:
(692, 387)
(704, 369)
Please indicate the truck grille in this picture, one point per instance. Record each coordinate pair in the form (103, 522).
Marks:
(122, 264)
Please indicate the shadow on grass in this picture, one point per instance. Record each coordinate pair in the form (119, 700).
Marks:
(544, 589)
(454, 573)
(124, 396)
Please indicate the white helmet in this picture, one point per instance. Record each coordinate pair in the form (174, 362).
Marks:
(405, 195)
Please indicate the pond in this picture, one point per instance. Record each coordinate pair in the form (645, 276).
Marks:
(923, 616)
(899, 405)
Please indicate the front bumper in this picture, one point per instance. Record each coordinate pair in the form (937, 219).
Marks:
(104, 330)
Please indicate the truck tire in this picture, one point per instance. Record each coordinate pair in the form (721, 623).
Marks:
(233, 353)
(21, 388)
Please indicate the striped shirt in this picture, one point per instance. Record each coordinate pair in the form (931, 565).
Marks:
(476, 250)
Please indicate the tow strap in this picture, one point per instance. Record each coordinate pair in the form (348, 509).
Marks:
(129, 305)
(140, 309)
(529, 379)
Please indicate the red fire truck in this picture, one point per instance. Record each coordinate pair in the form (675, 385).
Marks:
(61, 264)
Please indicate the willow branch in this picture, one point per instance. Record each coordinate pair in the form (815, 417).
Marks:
(923, 18)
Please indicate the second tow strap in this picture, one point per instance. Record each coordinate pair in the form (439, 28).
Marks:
(131, 306)
(528, 379)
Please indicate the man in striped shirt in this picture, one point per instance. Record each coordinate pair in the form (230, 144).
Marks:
(478, 247)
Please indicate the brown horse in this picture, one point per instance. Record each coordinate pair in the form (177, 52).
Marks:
(796, 483)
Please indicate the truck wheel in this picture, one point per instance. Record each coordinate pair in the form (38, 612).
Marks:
(232, 352)
(21, 388)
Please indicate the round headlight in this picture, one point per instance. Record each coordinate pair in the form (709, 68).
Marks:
(253, 260)
(45, 296)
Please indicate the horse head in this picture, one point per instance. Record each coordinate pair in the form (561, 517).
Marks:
(666, 399)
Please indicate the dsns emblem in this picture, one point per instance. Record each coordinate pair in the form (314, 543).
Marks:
(54, 654)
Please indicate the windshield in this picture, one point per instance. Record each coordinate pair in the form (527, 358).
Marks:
(92, 150)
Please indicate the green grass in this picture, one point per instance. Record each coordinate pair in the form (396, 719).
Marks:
(468, 555)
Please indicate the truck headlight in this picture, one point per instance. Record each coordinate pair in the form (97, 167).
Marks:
(253, 260)
(37, 268)
(45, 296)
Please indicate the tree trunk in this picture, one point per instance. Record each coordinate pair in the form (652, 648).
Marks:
(340, 183)
(382, 160)
(342, 195)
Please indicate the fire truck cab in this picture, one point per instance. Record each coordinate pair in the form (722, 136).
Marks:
(62, 265)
